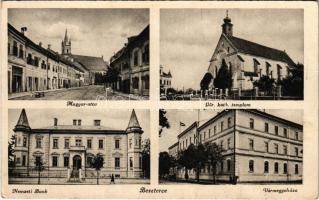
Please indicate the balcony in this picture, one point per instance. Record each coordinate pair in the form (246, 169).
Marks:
(77, 148)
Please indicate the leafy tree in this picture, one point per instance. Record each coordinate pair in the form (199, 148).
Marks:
(164, 164)
(265, 83)
(163, 121)
(39, 166)
(11, 162)
(204, 83)
(293, 85)
(223, 79)
(146, 158)
(97, 163)
(214, 156)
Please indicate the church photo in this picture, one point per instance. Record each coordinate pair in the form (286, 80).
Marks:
(78, 54)
(60, 146)
(219, 54)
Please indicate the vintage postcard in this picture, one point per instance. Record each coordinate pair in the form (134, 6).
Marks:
(159, 100)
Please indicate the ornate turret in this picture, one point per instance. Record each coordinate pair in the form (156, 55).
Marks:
(227, 26)
(23, 123)
(133, 125)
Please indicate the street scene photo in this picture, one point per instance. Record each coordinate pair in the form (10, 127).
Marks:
(56, 146)
(231, 146)
(78, 54)
(220, 54)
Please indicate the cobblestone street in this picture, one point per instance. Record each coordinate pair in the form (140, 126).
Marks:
(92, 92)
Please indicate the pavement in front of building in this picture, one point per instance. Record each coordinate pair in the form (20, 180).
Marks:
(92, 92)
(63, 181)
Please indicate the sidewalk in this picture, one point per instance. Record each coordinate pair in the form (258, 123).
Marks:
(23, 94)
(125, 95)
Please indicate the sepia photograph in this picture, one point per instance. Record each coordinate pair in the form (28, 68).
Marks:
(231, 54)
(236, 146)
(58, 147)
(78, 54)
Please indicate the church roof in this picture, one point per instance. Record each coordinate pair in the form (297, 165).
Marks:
(248, 47)
(91, 63)
(133, 123)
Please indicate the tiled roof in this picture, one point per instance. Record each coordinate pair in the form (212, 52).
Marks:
(133, 123)
(91, 63)
(248, 47)
(23, 120)
(71, 127)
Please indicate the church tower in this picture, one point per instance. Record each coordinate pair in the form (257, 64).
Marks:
(134, 153)
(21, 133)
(227, 26)
(66, 44)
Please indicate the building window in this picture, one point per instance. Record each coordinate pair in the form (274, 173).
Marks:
(38, 160)
(276, 130)
(251, 123)
(221, 144)
(74, 122)
(66, 143)
(228, 143)
(285, 132)
(285, 168)
(79, 122)
(276, 148)
(66, 161)
(97, 122)
(296, 151)
(135, 58)
(285, 150)
(296, 135)
(38, 143)
(130, 143)
(276, 168)
(36, 61)
(221, 126)
(266, 167)
(117, 144)
(146, 54)
(266, 127)
(251, 144)
(135, 81)
(131, 162)
(21, 52)
(8, 48)
(222, 166)
(78, 142)
(54, 161)
(251, 166)
(15, 48)
(24, 141)
(24, 159)
(228, 165)
(55, 143)
(214, 130)
(296, 169)
(209, 133)
(266, 147)
(117, 162)
(89, 161)
(89, 143)
(100, 144)
(228, 122)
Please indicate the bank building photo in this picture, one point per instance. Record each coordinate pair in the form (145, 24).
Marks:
(233, 146)
(66, 152)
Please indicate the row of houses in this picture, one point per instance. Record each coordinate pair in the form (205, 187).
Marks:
(33, 67)
(257, 147)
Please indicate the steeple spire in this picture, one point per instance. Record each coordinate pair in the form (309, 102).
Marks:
(134, 125)
(227, 26)
(23, 123)
(66, 39)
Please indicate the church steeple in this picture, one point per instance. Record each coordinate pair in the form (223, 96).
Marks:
(66, 44)
(227, 26)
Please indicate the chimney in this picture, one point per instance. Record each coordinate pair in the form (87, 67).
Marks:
(23, 30)
(49, 46)
(55, 121)
(40, 44)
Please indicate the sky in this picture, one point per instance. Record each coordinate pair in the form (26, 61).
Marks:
(188, 37)
(169, 136)
(113, 118)
(94, 32)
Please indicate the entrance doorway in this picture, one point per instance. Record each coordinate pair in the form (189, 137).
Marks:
(77, 162)
(16, 79)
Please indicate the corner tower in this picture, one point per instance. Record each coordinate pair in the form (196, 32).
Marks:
(21, 133)
(227, 26)
(66, 44)
(134, 153)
